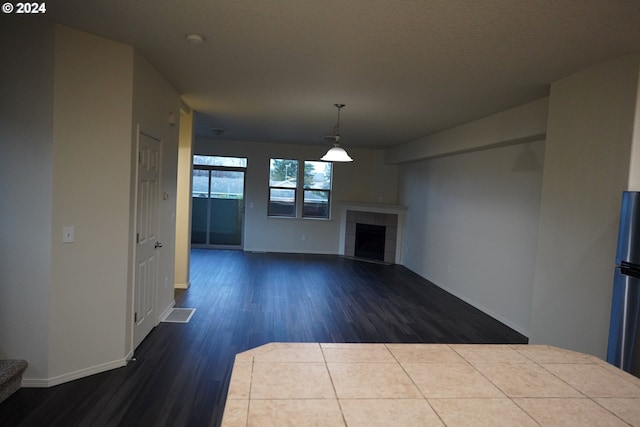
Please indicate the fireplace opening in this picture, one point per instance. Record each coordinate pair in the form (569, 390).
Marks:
(370, 241)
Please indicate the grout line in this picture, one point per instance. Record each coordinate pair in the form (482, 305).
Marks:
(585, 396)
(416, 385)
(335, 392)
(253, 361)
(529, 361)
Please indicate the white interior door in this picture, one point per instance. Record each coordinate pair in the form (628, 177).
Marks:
(147, 243)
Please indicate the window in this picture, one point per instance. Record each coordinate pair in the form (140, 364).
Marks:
(284, 187)
(283, 182)
(230, 162)
(217, 203)
(317, 189)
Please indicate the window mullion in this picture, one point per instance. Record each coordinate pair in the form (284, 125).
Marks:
(300, 191)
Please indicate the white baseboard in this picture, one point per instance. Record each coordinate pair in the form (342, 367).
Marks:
(485, 310)
(182, 285)
(60, 379)
(166, 312)
(296, 252)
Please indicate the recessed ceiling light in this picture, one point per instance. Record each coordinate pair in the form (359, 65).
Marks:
(195, 38)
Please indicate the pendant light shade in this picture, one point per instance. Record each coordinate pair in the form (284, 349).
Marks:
(336, 153)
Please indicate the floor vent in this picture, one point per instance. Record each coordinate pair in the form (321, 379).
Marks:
(179, 315)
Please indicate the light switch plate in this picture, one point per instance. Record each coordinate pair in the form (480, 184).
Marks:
(67, 234)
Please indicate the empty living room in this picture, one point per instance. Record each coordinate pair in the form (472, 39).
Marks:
(318, 213)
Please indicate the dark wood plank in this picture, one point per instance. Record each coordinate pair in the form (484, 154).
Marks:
(243, 300)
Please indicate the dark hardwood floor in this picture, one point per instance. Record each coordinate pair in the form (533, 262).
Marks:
(181, 372)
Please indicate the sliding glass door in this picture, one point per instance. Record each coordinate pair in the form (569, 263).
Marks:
(217, 212)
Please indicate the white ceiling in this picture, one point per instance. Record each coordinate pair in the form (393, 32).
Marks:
(271, 70)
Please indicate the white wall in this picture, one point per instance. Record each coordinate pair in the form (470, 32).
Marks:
(351, 182)
(91, 187)
(472, 219)
(590, 133)
(26, 171)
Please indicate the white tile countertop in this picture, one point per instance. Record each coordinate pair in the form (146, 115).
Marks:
(315, 384)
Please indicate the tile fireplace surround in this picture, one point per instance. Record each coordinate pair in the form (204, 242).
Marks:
(389, 216)
(314, 384)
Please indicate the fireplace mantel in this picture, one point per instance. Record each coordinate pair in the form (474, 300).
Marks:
(376, 208)
(371, 207)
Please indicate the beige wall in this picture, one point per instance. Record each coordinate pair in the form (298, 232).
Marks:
(472, 217)
(526, 122)
(66, 307)
(590, 157)
(183, 208)
(634, 164)
(91, 185)
(351, 182)
(26, 172)
(589, 141)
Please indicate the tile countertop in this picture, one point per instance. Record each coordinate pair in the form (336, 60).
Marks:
(312, 384)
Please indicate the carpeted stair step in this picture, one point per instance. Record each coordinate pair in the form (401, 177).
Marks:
(11, 376)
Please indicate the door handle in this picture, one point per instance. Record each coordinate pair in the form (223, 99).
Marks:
(158, 245)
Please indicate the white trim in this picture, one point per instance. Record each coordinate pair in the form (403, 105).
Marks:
(60, 379)
(182, 285)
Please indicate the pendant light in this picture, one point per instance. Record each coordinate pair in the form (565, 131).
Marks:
(336, 153)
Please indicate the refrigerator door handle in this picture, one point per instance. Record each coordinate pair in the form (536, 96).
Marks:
(630, 271)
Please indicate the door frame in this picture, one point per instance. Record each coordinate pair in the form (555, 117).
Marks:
(141, 130)
(242, 209)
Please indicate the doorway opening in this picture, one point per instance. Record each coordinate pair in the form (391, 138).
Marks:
(217, 196)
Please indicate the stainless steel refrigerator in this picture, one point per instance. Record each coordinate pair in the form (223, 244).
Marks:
(623, 350)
